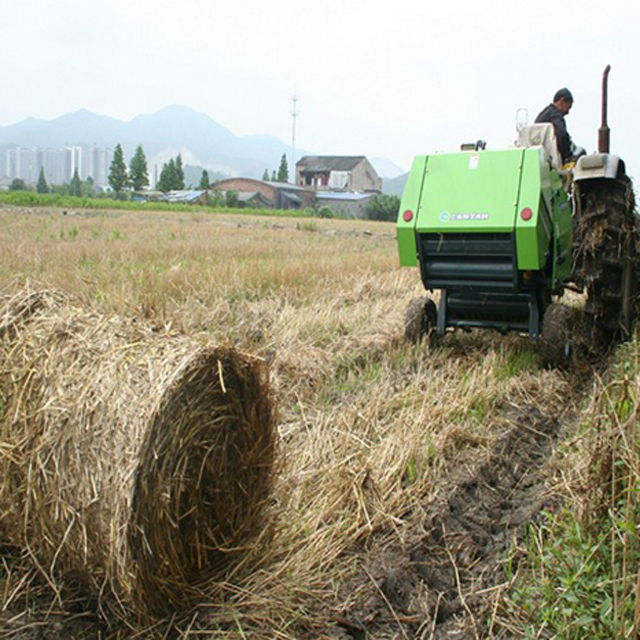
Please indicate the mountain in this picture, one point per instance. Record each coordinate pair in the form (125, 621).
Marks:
(81, 127)
(386, 169)
(394, 187)
(172, 130)
(175, 129)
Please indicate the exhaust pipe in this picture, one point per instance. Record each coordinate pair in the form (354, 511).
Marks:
(603, 132)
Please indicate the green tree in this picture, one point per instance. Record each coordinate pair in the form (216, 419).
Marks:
(138, 170)
(265, 175)
(283, 169)
(204, 181)
(167, 180)
(274, 177)
(118, 179)
(325, 212)
(75, 186)
(231, 199)
(216, 198)
(179, 173)
(383, 207)
(18, 184)
(172, 175)
(60, 189)
(88, 187)
(42, 186)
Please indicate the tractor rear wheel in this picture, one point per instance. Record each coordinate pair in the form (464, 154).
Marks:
(606, 261)
(556, 344)
(420, 319)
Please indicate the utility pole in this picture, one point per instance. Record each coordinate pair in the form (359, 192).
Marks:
(294, 115)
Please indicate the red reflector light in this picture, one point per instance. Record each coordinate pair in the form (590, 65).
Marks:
(526, 214)
(407, 216)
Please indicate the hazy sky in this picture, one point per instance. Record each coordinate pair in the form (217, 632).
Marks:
(391, 79)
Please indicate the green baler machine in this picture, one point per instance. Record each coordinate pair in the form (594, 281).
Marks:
(502, 235)
(492, 231)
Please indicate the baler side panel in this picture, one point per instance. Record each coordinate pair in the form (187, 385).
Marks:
(533, 235)
(411, 197)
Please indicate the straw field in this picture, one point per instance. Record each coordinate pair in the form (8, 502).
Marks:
(403, 475)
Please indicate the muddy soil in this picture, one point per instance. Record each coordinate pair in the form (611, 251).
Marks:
(437, 582)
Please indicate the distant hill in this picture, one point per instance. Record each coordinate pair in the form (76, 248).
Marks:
(394, 187)
(386, 169)
(175, 129)
(172, 130)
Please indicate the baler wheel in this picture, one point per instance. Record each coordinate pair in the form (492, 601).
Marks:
(607, 262)
(556, 339)
(420, 319)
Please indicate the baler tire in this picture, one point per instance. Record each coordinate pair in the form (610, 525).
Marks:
(420, 319)
(607, 263)
(556, 344)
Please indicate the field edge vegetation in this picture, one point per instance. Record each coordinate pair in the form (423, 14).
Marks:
(579, 573)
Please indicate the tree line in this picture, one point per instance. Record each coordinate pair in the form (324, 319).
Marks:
(135, 177)
(283, 172)
(172, 178)
(121, 178)
(76, 187)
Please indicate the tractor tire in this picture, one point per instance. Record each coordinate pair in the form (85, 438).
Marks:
(556, 344)
(420, 319)
(606, 259)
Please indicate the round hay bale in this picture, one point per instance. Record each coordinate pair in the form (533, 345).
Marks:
(137, 463)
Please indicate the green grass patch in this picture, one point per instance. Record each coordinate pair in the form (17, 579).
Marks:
(307, 226)
(30, 199)
(515, 360)
(580, 574)
(574, 590)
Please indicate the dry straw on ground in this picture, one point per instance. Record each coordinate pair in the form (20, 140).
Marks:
(134, 463)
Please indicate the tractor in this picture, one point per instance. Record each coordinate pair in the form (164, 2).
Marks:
(503, 234)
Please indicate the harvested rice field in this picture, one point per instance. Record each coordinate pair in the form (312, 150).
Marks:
(378, 489)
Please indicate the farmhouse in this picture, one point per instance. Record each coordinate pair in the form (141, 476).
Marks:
(279, 195)
(337, 173)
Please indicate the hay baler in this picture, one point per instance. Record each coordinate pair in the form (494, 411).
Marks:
(502, 234)
(492, 231)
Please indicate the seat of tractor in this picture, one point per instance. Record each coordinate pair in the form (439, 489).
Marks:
(541, 135)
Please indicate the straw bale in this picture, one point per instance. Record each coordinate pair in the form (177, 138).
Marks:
(133, 462)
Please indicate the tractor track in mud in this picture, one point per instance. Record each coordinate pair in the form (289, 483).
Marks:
(439, 579)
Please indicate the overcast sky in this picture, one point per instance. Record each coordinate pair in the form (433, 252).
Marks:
(391, 79)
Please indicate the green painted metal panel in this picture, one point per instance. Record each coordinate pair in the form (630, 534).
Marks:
(532, 236)
(486, 192)
(551, 219)
(410, 202)
(470, 192)
(563, 234)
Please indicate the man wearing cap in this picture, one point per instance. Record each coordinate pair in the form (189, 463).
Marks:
(555, 113)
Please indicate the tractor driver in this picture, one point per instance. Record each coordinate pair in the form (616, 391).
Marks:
(555, 113)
